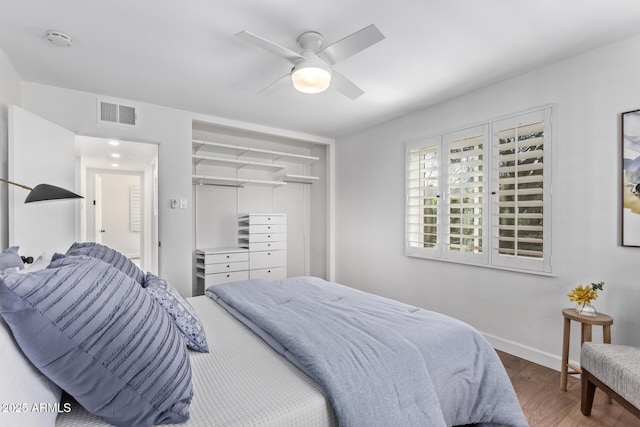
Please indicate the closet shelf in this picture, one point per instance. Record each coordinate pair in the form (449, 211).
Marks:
(238, 150)
(299, 179)
(222, 161)
(232, 182)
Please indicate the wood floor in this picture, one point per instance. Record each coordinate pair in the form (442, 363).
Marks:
(545, 405)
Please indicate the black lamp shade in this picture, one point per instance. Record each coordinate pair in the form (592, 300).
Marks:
(42, 192)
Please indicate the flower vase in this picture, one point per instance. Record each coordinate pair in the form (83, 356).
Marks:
(586, 309)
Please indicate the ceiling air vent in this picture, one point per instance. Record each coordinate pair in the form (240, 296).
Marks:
(114, 113)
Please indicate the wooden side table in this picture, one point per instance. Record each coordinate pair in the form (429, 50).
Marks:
(587, 322)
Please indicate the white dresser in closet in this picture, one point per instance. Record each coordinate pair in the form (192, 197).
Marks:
(265, 236)
(221, 265)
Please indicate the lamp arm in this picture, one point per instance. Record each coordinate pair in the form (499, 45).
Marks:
(15, 183)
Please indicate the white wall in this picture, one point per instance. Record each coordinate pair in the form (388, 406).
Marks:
(10, 91)
(520, 313)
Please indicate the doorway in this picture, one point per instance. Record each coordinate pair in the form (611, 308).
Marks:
(119, 180)
(117, 205)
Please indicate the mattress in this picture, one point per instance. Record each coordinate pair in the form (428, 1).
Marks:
(240, 382)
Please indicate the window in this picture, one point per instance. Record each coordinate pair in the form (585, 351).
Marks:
(422, 197)
(464, 195)
(482, 195)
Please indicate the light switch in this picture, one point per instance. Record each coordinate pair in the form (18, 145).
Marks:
(183, 203)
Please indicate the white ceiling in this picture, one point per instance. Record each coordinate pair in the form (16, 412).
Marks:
(183, 53)
(98, 153)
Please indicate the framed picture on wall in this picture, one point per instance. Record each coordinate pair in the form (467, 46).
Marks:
(631, 178)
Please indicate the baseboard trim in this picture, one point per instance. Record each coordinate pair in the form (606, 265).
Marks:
(531, 354)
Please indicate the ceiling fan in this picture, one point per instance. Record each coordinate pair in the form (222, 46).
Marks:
(312, 68)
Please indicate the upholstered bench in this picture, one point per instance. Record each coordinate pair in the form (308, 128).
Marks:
(615, 369)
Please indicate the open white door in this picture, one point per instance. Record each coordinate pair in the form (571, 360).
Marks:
(40, 152)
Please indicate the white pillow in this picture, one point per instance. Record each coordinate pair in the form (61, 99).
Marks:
(40, 263)
(10, 270)
(22, 386)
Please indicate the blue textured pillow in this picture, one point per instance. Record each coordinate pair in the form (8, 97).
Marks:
(9, 258)
(110, 256)
(99, 336)
(180, 310)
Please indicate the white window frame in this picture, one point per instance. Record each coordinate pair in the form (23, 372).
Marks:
(413, 185)
(488, 256)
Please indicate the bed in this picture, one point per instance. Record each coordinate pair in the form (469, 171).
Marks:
(252, 373)
(240, 382)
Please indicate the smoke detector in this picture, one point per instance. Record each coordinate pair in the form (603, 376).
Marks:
(59, 39)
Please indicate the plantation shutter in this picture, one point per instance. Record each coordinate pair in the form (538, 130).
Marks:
(485, 200)
(522, 208)
(422, 210)
(466, 201)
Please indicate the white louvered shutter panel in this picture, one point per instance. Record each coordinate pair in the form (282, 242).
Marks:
(466, 201)
(523, 205)
(422, 193)
(496, 204)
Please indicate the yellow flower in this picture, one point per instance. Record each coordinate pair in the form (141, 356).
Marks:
(582, 294)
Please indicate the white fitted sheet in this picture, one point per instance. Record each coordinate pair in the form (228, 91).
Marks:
(240, 382)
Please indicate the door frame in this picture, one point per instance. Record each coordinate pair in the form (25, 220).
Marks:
(146, 259)
(93, 172)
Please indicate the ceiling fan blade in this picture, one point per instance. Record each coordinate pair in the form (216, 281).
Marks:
(351, 44)
(345, 86)
(265, 44)
(281, 79)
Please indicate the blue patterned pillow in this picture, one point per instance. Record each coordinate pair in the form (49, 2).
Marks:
(110, 256)
(180, 310)
(9, 258)
(99, 336)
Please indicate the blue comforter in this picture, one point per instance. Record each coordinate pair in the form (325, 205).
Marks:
(380, 362)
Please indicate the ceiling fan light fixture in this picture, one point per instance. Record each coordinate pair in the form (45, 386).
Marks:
(311, 78)
(312, 71)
